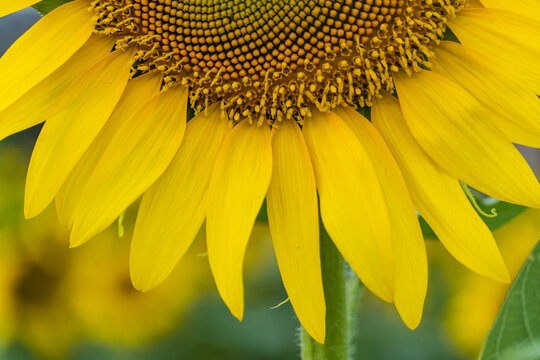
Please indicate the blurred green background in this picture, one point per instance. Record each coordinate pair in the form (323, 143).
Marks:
(57, 303)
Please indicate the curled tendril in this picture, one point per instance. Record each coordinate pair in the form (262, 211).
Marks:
(280, 304)
(474, 202)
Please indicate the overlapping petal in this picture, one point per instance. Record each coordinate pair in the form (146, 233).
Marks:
(63, 141)
(352, 203)
(294, 223)
(10, 6)
(138, 153)
(175, 206)
(528, 8)
(136, 94)
(513, 108)
(240, 179)
(506, 39)
(437, 196)
(36, 105)
(410, 261)
(451, 126)
(43, 49)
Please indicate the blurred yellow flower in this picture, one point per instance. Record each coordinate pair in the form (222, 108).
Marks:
(475, 300)
(108, 306)
(274, 86)
(52, 297)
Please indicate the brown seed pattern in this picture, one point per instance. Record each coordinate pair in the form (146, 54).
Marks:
(269, 59)
(246, 38)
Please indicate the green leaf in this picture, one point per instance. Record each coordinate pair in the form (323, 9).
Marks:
(516, 331)
(505, 213)
(46, 6)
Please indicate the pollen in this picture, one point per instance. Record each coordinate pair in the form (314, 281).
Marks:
(265, 60)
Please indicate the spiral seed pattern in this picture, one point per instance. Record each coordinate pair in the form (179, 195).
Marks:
(269, 59)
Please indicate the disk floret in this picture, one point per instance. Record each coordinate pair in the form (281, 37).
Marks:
(266, 60)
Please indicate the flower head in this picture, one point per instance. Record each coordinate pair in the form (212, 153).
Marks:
(52, 298)
(274, 86)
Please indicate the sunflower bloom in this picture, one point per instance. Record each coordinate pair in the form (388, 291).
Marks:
(274, 86)
(52, 298)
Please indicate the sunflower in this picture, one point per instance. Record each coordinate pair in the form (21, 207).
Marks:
(448, 84)
(52, 298)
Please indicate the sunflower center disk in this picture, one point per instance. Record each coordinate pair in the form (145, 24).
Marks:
(269, 59)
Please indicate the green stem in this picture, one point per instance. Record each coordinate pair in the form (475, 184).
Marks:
(342, 290)
(355, 289)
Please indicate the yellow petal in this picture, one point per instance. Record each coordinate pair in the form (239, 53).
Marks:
(137, 92)
(514, 109)
(410, 261)
(173, 209)
(509, 40)
(137, 154)
(438, 196)
(451, 126)
(239, 182)
(529, 8)
(519, 79)
(500, 28)
(35, 106)
(352, 203)
(66, 135)
(10, 6)
(43, 49)
(475, 4)
(294, 223)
